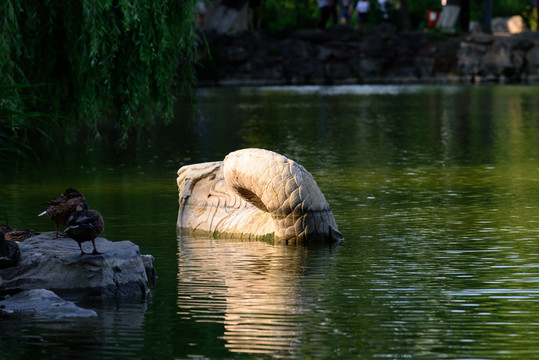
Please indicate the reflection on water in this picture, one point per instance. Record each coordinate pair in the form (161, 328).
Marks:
(253, 288)
(117, 331)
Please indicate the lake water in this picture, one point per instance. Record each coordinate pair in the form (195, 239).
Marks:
(434, 188)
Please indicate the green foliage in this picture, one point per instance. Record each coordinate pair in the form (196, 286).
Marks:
(101, 61)
(532, 16)
(305, 14)
(502, 8)
(15, 125)
(290, 14)
(300, 14)
(505, 8)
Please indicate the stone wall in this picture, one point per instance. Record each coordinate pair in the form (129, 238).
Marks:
(488, 58)
(341, 55)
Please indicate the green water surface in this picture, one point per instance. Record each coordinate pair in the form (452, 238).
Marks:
(434, 188)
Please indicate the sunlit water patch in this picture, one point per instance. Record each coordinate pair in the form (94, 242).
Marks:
(256, 290)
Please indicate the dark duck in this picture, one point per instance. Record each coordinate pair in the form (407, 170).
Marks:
(60, 208)
(9, 252)
(17, 234)
(85, 225)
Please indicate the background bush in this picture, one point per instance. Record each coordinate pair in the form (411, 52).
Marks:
(303, 14)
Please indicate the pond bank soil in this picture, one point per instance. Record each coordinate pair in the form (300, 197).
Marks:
(47, 262)
(341, 55)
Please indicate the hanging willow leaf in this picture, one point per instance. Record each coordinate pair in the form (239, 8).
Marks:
(102, 61)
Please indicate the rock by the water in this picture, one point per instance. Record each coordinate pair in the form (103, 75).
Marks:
(42, 302)
(56, 264)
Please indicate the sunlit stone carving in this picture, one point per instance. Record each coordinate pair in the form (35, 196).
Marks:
(254, 194)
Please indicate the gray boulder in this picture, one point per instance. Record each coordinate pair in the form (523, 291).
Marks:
(121, 272)
(43, 303)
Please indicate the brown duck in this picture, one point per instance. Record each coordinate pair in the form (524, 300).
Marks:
(59, 209)
(9, 252)
(85, 225)
(17, 234)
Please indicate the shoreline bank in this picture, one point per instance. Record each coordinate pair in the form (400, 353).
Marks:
(380, 55)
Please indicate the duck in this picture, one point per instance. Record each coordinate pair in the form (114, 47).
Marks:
(17, 234)
(60, 208)
(9, 252)
(85, 225)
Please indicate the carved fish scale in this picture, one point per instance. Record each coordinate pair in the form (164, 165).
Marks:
(272, 196)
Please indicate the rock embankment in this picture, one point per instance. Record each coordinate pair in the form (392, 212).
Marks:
(341, 55)
(488, 58)
(56, 264)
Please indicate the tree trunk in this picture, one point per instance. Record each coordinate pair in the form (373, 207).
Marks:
(404, 15)
(488, 16)
(465, 15)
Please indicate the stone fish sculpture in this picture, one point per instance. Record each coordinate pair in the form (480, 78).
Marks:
(254, 194)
